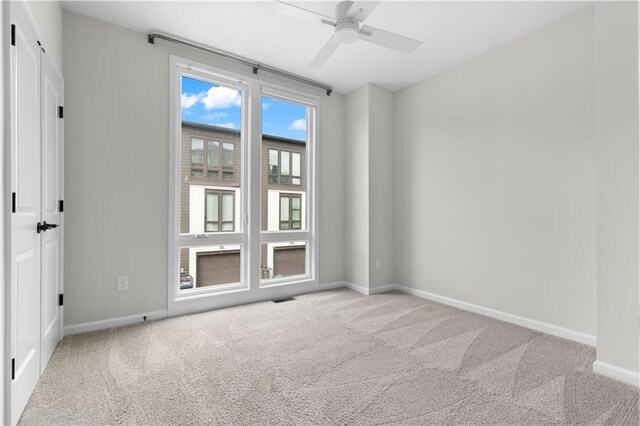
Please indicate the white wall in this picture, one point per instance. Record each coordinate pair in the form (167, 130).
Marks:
(117, 135)
(617, 136)
(381, 186)
(356, 184)
(48, 24)
(496, 179)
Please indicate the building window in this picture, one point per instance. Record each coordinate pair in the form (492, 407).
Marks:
(219, 211)
(290, 211)
(213, 159)
(227, 161)
(284, 167)
(197, 157)
(215, 163)
(295, 168)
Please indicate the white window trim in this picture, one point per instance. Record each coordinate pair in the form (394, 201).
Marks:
(248, 235)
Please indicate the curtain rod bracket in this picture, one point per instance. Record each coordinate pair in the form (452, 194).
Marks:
(254, 65)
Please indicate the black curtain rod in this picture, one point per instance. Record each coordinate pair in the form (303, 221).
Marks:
(254, 65)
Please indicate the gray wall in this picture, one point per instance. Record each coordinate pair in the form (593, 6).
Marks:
(382, 207)
(356, 183)
(616, 134)
(369, 199)
(116, 136)
(497, 183)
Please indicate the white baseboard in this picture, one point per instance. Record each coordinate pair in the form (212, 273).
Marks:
(626, 376)
(358, 288)
(151, 316)
(113, 322)
(503, 316)
(331, 286)
(383, 288)
(370, 291)
(543, 327)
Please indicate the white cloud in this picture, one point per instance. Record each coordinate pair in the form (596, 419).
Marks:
(215, 115)
(266, 105)
(229, 125)
(300, 124)
(190, 100)
(219, 97)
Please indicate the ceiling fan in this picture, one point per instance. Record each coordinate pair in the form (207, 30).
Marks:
(348, 28)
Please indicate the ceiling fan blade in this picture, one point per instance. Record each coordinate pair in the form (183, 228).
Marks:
(360, 10)
(299, 12)
(325, 53)
(386, 39)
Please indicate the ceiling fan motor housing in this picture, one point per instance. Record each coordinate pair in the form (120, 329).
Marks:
(346, 31)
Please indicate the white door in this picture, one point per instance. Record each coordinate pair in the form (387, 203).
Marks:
(24, 291)
(51, 242)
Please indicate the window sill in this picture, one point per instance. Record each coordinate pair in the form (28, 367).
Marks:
(228, 289)
(285, 281)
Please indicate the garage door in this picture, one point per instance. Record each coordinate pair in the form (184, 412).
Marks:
(288, 261)
(215, 268)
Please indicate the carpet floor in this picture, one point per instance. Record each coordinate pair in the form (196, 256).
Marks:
(334, 357)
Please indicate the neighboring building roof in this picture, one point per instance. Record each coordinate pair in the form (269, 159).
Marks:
(229, 131)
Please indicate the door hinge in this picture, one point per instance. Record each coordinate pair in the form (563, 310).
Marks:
(13, 368)
(13, 34)
(61, 206)
(60, 112)
(13, 202)
(61, 299)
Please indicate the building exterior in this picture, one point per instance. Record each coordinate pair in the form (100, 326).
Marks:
(210, 201)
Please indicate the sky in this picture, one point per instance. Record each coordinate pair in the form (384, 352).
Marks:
(207, 103)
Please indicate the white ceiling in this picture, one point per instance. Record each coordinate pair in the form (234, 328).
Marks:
(452, 32)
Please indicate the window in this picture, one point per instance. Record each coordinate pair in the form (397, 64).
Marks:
(197, 157)
(219, 211)
(227, 160)
(290, 211)
(289, 171)
(212, 158)
(227, 233)
(295, 167)
(273, 166)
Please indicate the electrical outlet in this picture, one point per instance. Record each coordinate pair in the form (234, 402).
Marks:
(122, 283)
(378, 264)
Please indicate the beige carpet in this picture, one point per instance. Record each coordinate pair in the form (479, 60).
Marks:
(335, 357)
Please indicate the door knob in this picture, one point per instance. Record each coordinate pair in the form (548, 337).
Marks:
(41, 227)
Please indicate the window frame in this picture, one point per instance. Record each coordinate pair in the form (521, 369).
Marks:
(279, 174)
(248, 236)
(220, 193)
(290, 212)
(310, 209)
(205, 169)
